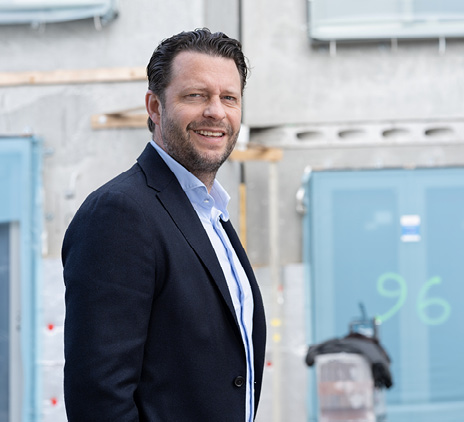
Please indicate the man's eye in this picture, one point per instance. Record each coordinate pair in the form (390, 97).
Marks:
(229, 98)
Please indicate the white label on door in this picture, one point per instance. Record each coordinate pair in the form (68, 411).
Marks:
(410, 228)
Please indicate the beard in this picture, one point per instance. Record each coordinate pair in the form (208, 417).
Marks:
(179, 145)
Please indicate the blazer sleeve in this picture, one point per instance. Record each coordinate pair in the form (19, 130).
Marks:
(109, 275)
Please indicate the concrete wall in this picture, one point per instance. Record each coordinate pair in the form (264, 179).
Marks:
(294, 82)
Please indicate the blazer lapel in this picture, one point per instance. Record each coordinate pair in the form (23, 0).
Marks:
(177, 204)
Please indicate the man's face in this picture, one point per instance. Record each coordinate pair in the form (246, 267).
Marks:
(199, 122)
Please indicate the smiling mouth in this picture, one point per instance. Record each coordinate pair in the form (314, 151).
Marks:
(210, 134)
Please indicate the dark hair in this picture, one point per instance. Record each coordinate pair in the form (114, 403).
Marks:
(199, 40)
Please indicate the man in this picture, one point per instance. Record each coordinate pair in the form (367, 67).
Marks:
(164, 318)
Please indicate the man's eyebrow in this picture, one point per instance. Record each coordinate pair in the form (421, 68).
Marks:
(204, 88)
(188, 88)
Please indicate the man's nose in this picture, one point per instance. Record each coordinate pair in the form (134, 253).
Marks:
(215, 109)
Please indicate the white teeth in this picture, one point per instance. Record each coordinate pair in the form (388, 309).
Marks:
(207, 133)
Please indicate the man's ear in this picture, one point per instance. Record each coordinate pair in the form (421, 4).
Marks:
(153, 106)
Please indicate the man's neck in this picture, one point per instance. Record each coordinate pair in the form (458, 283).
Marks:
(206, 178)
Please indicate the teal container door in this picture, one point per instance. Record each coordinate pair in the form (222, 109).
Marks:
(5, 336)
(20, 229)
(394, 240)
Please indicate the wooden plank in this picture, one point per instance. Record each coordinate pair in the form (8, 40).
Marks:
(54, 77)
(257, 153)
(243, 214)
(118, 121)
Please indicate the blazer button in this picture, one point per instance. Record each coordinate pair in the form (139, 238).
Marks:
(239, 381)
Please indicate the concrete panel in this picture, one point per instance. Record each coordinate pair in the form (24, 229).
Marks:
(223, 16)
(127, 41)
(293, 82)
(285, 385)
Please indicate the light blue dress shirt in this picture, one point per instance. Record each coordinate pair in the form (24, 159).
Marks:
(211, 208)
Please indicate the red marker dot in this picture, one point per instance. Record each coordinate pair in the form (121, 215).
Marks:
(54, 401)
(50, 327)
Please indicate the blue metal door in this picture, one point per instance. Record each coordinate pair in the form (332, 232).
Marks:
(20, 228)
(394, 240)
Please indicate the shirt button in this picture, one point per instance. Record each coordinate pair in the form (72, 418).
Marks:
(239, 381)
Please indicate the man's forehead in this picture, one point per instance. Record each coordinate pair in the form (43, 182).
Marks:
(192, 65)
(196, 57)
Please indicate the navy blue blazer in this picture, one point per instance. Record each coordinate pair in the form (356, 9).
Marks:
(150, 329)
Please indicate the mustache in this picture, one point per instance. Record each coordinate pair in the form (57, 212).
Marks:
(208, 124)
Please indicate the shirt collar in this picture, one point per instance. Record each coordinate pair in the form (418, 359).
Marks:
(195, 190)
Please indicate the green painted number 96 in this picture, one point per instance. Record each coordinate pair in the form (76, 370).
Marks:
(400, 291)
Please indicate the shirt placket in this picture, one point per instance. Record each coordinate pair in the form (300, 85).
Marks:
(241, 297)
